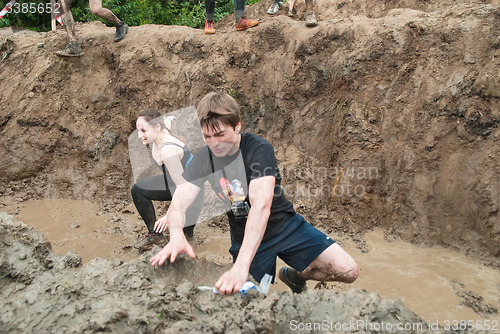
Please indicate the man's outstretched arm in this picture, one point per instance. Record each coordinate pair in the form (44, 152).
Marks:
(260, 193)
(175, 219)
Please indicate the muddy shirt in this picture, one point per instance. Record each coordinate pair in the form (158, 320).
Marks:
(230, 178)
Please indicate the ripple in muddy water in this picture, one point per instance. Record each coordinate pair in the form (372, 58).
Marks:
(426, 280)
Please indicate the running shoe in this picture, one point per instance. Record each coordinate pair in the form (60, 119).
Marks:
(149, 241)
(275, 6)
(72, 50)
(311, 19)
(284, 274)
(189, 231)
(121, 30)
(243, 23)
(209, 27)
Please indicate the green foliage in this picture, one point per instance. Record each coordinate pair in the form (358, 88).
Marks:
(5, 22)
(32, 15)
(226, 7)
(189, 13)
(233, 93)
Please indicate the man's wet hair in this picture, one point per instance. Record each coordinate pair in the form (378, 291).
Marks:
(218, 107)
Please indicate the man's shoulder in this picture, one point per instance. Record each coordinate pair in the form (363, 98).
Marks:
(258, 151)
(253, 140)
(199, 158)
(203, 151)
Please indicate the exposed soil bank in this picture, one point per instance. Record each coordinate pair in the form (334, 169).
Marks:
(49, 293)
(386, 115)
(400, 96)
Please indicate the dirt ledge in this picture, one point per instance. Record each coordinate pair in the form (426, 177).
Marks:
(53, 293)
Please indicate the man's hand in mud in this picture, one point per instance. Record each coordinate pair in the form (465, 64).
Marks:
(161, 224)
(231, 281)
(176, 246)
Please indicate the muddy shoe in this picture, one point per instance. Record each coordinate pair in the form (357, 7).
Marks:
(209, 27)
(291, 13)
(286, 275)
(150, 240)
(243, 23)
(311, 19)
(72, 50)
(121, 30)
(275, 7)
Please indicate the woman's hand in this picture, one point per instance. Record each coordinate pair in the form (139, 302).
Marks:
(161, 224)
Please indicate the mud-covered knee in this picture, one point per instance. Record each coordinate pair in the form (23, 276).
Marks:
(346, 272)
(351, 274)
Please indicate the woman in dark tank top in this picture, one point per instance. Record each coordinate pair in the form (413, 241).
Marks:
(171, 155)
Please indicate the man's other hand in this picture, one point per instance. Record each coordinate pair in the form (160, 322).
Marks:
(231, 281)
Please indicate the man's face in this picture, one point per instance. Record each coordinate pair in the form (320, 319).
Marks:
(224, 141)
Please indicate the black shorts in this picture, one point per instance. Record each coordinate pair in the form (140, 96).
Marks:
(297, 243)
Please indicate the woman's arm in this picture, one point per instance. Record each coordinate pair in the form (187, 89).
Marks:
(171, 157)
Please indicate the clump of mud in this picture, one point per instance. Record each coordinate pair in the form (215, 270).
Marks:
(49, 293)
(473, 300)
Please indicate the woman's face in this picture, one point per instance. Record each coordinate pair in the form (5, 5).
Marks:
(145, 131)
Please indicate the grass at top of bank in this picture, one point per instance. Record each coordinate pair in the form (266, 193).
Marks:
(190, 13)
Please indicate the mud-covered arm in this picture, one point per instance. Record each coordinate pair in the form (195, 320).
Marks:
(175, 220)
(260, 193)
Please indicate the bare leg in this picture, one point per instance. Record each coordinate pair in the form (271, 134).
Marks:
(292, 2)
(104, 13)
(67, 18)
(309, 4)
(334, 264)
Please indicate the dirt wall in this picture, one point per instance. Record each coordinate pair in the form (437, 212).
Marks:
(386, 114)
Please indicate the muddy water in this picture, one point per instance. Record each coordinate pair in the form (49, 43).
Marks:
(426, 280)
(74, 226)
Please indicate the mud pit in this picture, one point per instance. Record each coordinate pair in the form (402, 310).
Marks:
(432, 282)
(406, 89)
(52, 293)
